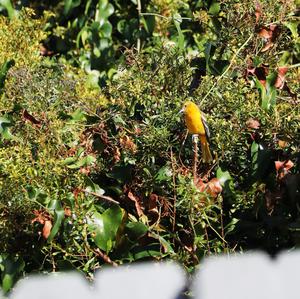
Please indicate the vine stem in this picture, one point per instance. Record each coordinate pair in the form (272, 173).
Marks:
(174, 190)
(228, 68)
(139, 9)
(195, 160)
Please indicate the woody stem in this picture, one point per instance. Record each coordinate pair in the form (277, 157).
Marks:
(195, 162)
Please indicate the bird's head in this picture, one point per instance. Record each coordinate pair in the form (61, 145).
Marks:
(187, 106)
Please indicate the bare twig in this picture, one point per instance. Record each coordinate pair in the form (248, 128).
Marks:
(139, 9)
(105, 257)
(228, 68)
(174, 190)
(107, 198)
(195, 161)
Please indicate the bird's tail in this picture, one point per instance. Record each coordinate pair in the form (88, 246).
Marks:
(206, 154)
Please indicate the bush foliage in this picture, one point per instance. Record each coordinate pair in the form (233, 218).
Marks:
(94, 175)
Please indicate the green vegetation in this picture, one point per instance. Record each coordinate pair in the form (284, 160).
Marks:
(95, 165)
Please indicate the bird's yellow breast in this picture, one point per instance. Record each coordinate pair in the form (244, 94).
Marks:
(193, 119)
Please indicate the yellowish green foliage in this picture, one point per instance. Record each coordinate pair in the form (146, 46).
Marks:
(20, 38)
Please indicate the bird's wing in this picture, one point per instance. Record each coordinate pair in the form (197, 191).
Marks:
(205, 125)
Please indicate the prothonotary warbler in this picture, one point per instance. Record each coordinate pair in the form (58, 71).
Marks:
(196, 125)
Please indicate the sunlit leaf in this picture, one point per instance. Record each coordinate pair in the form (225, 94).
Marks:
(59, 215)
(104, 227)
(4, 128)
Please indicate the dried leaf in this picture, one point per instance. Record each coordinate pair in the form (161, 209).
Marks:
(128, 144)
(27, 116)
(47, 229)
(137, 203)
(280, 80)
(282, 143)
(152, 207)
(68, 212)
(268, 46)
(214, 187)
(258, 12)
(265, 33)
(253, 123)
(283, 167)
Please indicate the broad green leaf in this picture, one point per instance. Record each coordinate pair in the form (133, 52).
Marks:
(78, 115)
(92, 187)
(9, 7)
(59, 215)
(223, 176)
(82, 162)
(177, 21)
(4, 128)
(135, 230)
(149, 23)
(106, 30)
(104, 227)
(37, 195)
(164, 174)
(214, 8)
(293, 26)
(3, 71)
(11, 267)
(70, 5)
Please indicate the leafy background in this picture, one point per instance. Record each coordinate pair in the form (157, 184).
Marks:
(95, 165)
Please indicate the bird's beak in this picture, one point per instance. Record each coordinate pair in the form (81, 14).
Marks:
(181, 111)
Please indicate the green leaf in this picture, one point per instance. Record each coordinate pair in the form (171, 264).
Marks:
(37, 195)
(293, 27)
(85, 161)
(4, 128)
(106, 30)
(214, 8)
(10, 267)
(223, 176)
(104, 227)
(135, 230)
(149, 23)
(261, 159)
(78, 115)
(164, 174)
(69, 5)
(92, 187)
(3, 71)
(177, 21)
(59, 215)
(9, 7)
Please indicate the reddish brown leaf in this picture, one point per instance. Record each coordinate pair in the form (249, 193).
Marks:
(45, 52)
(280, 80)
(258, 12)
(47, 229)
(152, 207)
(68, 212)
(265, 33)
(128, 144)
(282, 143)
(214, 187)
(283, 167)
(137, 203)
(260, 72)
(268, 46)
(253, 124)
(27, 116)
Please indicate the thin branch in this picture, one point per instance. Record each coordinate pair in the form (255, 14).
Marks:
(139, 9)
(195, 161)
(174, 190)
(107, 198)
(228, 68)
(105, 257)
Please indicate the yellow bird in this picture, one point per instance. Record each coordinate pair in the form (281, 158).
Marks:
(197, 125)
